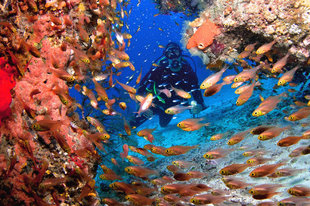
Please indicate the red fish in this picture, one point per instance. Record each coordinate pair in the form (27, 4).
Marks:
(204, 35)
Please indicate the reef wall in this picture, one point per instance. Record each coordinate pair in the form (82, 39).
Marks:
(243, 22)
(48, 153)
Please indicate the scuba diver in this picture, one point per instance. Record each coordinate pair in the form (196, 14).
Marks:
(171, 70)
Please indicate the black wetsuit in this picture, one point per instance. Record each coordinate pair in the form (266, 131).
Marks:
(168, 73)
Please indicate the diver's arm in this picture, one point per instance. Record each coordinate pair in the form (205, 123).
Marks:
(148, 80)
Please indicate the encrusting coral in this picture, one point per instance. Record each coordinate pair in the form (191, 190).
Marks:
(244, 22)
(47, 153)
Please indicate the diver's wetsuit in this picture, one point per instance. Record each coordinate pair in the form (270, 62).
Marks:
(175, 72)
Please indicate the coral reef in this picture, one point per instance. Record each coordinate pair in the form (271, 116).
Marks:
(244, 22)
(48, 154)
(184, 6)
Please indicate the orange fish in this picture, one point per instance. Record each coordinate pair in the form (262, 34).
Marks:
(271, 133)
(100, 91)
(46, 124)
(290, 140)
(141, 151)
(306, 134)
(298, 201)
(122, 187)
(257, 161)
(297, 152)
(218, 136)
(127, 87)
(234, 183)
(148, 146)
(141, 172)
(178, 150)
(265, 170)
(146, 191)
(146, 134)
(174, 169)
(277, 67)
(243, 88)
(177, 109)
(134, 160)
(260, 129)
(237, 137)
(265, 48)
(204, 35)
(181, 93)
(212, 79)
(217, 153)
(196, 174)
(300, 114)
(250, 47)
(110, 202)
(267, 105)
(166, 92)
(210, 91)
(139, 200)
(122, 105)
(244, 54)
(254, 152)
(245, 95)
(139, 77)
(97, 124)
(172, 198)
(93, 101)
(127, 127)
(287, 76)
(285, 172)
(207, 199)
(229, 79)
(299, 191)
(233, 169)
(145, 104)
(161, 181)
(191, 124)
(180, 176)
(159, 150)
(236, 84)
(264, 191)
(63, 75)
(172, 188)
(125, 151)
(247, 74)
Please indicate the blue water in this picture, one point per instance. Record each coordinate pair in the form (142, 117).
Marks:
(222, 113)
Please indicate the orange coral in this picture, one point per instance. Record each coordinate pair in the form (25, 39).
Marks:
(204, 35)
